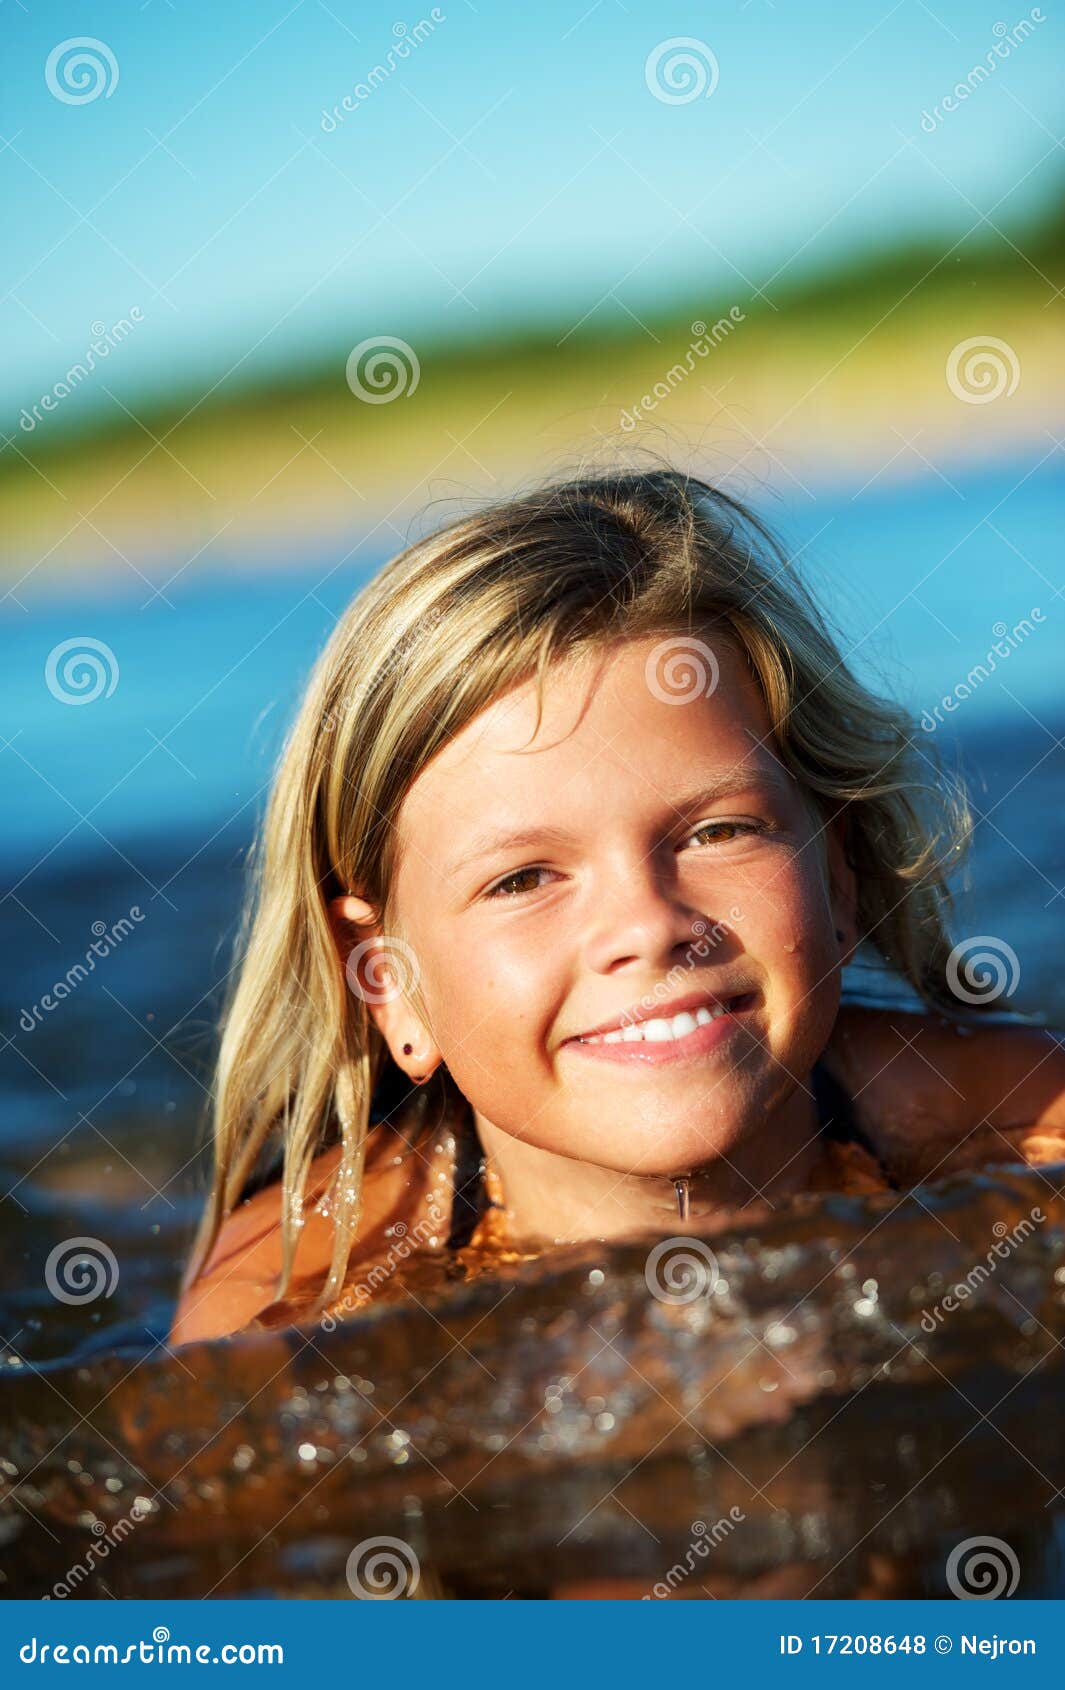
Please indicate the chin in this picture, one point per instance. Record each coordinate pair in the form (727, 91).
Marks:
(672, 1151)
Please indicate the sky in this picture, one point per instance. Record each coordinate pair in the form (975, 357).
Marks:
(520, 163)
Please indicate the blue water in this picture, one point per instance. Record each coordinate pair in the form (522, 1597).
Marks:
(147, 798)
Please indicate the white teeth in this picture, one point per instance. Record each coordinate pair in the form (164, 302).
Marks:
(659, 1030)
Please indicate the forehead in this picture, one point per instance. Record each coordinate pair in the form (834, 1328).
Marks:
(629, 721)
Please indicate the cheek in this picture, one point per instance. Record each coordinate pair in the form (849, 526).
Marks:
(790, 932)
(487, 996)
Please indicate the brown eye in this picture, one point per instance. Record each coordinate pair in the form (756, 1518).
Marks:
(726, 831)
(512, 886)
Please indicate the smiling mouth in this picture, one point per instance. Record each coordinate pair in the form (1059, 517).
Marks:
(661, 1031)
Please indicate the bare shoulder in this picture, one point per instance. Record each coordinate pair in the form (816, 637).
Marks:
(240, 1274)
(934, 1098)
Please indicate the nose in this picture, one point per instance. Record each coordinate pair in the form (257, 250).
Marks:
(637, 920)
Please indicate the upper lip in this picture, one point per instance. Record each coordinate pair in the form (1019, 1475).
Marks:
(658, 1011)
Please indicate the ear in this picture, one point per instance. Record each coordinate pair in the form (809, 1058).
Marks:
(352, 909)
(352, 920)
(381, 971)
(842, 884)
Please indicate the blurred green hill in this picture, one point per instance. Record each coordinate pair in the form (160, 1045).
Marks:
(822, 375)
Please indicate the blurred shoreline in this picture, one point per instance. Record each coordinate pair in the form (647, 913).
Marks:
(846, 380)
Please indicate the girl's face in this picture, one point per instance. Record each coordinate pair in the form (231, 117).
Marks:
(636, 865)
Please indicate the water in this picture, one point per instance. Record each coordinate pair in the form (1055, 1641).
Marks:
(573, 1422)
(132, 816)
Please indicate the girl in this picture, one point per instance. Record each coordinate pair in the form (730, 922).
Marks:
(579, 822)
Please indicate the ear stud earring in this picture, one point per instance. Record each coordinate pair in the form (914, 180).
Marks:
(417, 1078)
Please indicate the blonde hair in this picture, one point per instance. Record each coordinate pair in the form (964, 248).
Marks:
(455, 620)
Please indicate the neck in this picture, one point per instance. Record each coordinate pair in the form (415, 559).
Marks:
(550, 1198)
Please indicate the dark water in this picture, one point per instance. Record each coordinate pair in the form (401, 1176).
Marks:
(138, 808)
(807, 1420)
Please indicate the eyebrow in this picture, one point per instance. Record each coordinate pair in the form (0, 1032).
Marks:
(489, 843)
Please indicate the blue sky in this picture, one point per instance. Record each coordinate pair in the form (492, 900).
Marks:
(515, 165)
